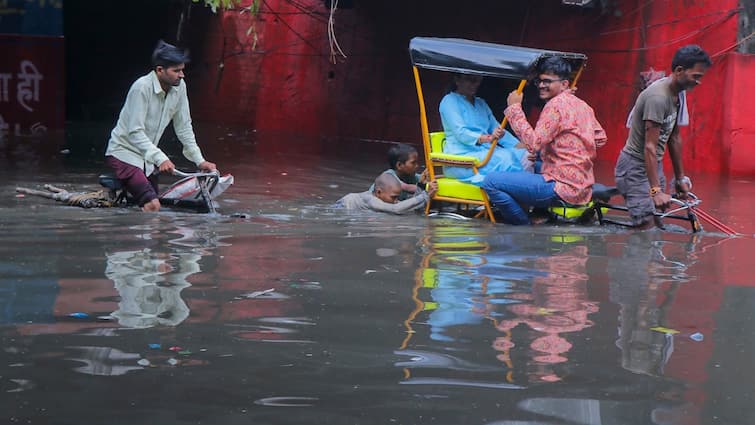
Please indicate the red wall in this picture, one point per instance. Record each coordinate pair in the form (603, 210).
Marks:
(287, 83)
(738, 129)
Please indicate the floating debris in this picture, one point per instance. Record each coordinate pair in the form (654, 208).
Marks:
(287, 401)
(256, 294)
(155, 346)
(79, 315)
(241, 215)
(97, 199)
(663, 330)
(143, 362)
(697, 336)
(386, 252)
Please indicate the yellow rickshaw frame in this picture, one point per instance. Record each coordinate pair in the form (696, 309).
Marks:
(477, 58)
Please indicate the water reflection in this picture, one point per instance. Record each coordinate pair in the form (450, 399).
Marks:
(532, 300)
(646, 271)
(452, 299)
(646, 277)
(643, 283)
(555, 305)
(149, 285)
(471, 287)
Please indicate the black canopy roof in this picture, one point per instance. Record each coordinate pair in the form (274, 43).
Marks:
(476, 57)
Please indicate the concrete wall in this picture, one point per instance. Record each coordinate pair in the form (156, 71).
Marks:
(288, 84)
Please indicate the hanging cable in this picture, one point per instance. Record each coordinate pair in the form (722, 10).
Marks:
(335, 49)
(683, 37)
(733, 46)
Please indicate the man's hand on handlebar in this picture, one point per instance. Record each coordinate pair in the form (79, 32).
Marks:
(661, 200)
(208, 166)
(167, 167)
(682, 190)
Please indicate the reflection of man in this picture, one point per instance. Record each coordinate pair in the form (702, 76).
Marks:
(153, 101)
(636, 278)
(558, 304)
(644, 282)
(150, 286)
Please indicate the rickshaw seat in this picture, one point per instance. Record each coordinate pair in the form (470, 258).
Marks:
(108, 180)
(437, 140)
(115, 186)
(603, 193)
(451, 189)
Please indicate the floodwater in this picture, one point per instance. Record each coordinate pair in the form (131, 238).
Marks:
(291, 312)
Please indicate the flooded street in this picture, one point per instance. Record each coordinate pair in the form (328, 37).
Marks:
(291, 312)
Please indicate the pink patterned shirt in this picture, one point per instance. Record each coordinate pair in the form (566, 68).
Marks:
(566, 135)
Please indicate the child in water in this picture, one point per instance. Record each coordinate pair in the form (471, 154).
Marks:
(402, 160)
(384, 197)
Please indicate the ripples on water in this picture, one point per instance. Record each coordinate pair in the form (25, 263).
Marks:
(292, 312)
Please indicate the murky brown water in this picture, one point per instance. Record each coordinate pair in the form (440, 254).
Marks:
(304, 314)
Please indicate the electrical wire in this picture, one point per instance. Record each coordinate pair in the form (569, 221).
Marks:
(733, 46)
(296, 33)
(683, 37)
(335, 48)
(671, 22)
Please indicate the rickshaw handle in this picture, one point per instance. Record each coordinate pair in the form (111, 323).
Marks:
(494, 143)
(180, 173)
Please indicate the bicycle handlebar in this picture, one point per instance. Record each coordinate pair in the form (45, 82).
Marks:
(180, 173)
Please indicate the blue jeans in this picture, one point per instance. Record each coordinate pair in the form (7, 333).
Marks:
(508, 191)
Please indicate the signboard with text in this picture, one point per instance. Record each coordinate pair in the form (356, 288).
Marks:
(32, 84)
(32, 78)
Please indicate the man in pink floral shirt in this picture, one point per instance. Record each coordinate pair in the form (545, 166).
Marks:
(566, 136)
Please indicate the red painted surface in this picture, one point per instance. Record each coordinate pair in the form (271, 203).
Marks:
(738, 122)
(287, 83)
(32, 84)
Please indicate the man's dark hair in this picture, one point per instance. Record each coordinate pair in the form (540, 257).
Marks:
(556, 66)
(167, 55)
(399, 153)
(688, 56)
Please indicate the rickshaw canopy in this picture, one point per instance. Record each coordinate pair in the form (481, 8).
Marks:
(480, 58)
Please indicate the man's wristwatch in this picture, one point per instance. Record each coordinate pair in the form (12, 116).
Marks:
(655, 190)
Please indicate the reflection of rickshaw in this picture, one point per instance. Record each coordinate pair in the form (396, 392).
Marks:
(452, 291)
(507, 62)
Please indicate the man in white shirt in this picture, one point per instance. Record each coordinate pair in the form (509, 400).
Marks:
(153, 101)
